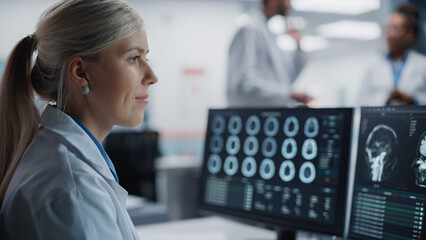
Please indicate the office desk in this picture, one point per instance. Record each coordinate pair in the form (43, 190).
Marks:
(208, 228)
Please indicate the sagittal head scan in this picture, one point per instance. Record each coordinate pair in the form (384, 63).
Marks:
(419, 164)
(379, 153)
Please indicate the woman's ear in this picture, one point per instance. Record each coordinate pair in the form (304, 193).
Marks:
(77, 72)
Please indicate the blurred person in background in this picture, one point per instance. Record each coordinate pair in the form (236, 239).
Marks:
(258, 74)
(400, 77)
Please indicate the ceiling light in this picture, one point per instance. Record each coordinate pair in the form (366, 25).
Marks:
(349, 29)
(350, 7)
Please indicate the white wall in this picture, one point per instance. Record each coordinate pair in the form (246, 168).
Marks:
(18, 19)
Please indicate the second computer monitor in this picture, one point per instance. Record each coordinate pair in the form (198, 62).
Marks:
(284, 167)
(389, 196)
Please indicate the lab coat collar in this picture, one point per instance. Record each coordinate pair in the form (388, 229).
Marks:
(403, 58)
(57, 121)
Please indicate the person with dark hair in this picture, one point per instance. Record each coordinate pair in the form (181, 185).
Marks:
(400, 78)
(258, 74)
(89, 66)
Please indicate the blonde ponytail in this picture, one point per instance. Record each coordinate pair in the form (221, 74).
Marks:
(19, 115)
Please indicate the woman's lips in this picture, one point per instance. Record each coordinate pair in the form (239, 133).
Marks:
(142, 99)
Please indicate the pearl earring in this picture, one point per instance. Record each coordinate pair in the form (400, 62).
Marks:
(85, 90)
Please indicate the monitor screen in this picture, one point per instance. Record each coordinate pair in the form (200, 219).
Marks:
(390, 180)
(284, 167)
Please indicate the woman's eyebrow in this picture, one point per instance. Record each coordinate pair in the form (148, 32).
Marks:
(142, 50)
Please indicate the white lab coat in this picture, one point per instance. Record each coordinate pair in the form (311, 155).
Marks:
(258, 73)
(378, 81)
(63, 189)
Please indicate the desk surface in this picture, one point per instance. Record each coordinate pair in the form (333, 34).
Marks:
(209, 228)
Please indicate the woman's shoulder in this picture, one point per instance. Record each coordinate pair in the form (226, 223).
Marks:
(52, 168)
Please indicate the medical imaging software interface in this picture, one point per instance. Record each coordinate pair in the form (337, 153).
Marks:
(279, 166)
(390, 180)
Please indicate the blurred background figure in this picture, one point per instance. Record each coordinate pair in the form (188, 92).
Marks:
(400, 77)
(258, 74)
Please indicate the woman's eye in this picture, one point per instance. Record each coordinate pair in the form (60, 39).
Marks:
(133, 59)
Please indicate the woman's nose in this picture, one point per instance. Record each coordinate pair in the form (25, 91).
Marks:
(149, 77)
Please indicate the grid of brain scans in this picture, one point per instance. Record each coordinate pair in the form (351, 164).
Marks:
(280, 164)
(390, 180)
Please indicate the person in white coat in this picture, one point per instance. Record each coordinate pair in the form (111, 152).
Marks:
(56, 180)
(258, 74)
(400, 77)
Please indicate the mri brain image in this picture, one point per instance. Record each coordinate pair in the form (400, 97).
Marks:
(214, 164)
(216, 144)
(271, 126)
(248, 167)
(233, 145)
(291, 126)
(253, 125)
(419, 164)
(309, 149)
(269, 147)
(267, 169)
(218, 124)
(379, 153)
(307, 172)
(231, 165)
(289, 148)
(235, 125)
(287, 171)
(251, 146)
(311, 127)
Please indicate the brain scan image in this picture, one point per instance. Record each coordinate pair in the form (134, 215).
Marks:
(271, 126)
(291, 126)
(216, 144)
(235, 125)
(253, 125)
(231, 165)
(289, 148)
(307, 172)
(267, 169)
(311, 128)
(218, 124)
(419, 164)
(233, 145)
(214, 164)
(309, 149)
(380, 153)
(248, 167)
(269, 147)
(287, 171)
(251, 146)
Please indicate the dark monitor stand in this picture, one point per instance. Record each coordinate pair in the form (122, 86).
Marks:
(284, 168)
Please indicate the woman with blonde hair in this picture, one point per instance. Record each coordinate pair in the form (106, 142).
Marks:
(56, 181)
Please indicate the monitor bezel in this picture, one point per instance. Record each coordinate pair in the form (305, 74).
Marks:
(291, 224)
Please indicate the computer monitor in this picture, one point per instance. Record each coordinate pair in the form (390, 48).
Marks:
(389, 194)
(133, 154)
(279, 167)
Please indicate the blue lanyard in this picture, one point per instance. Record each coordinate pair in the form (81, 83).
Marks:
(397, 70)
(101, 149)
